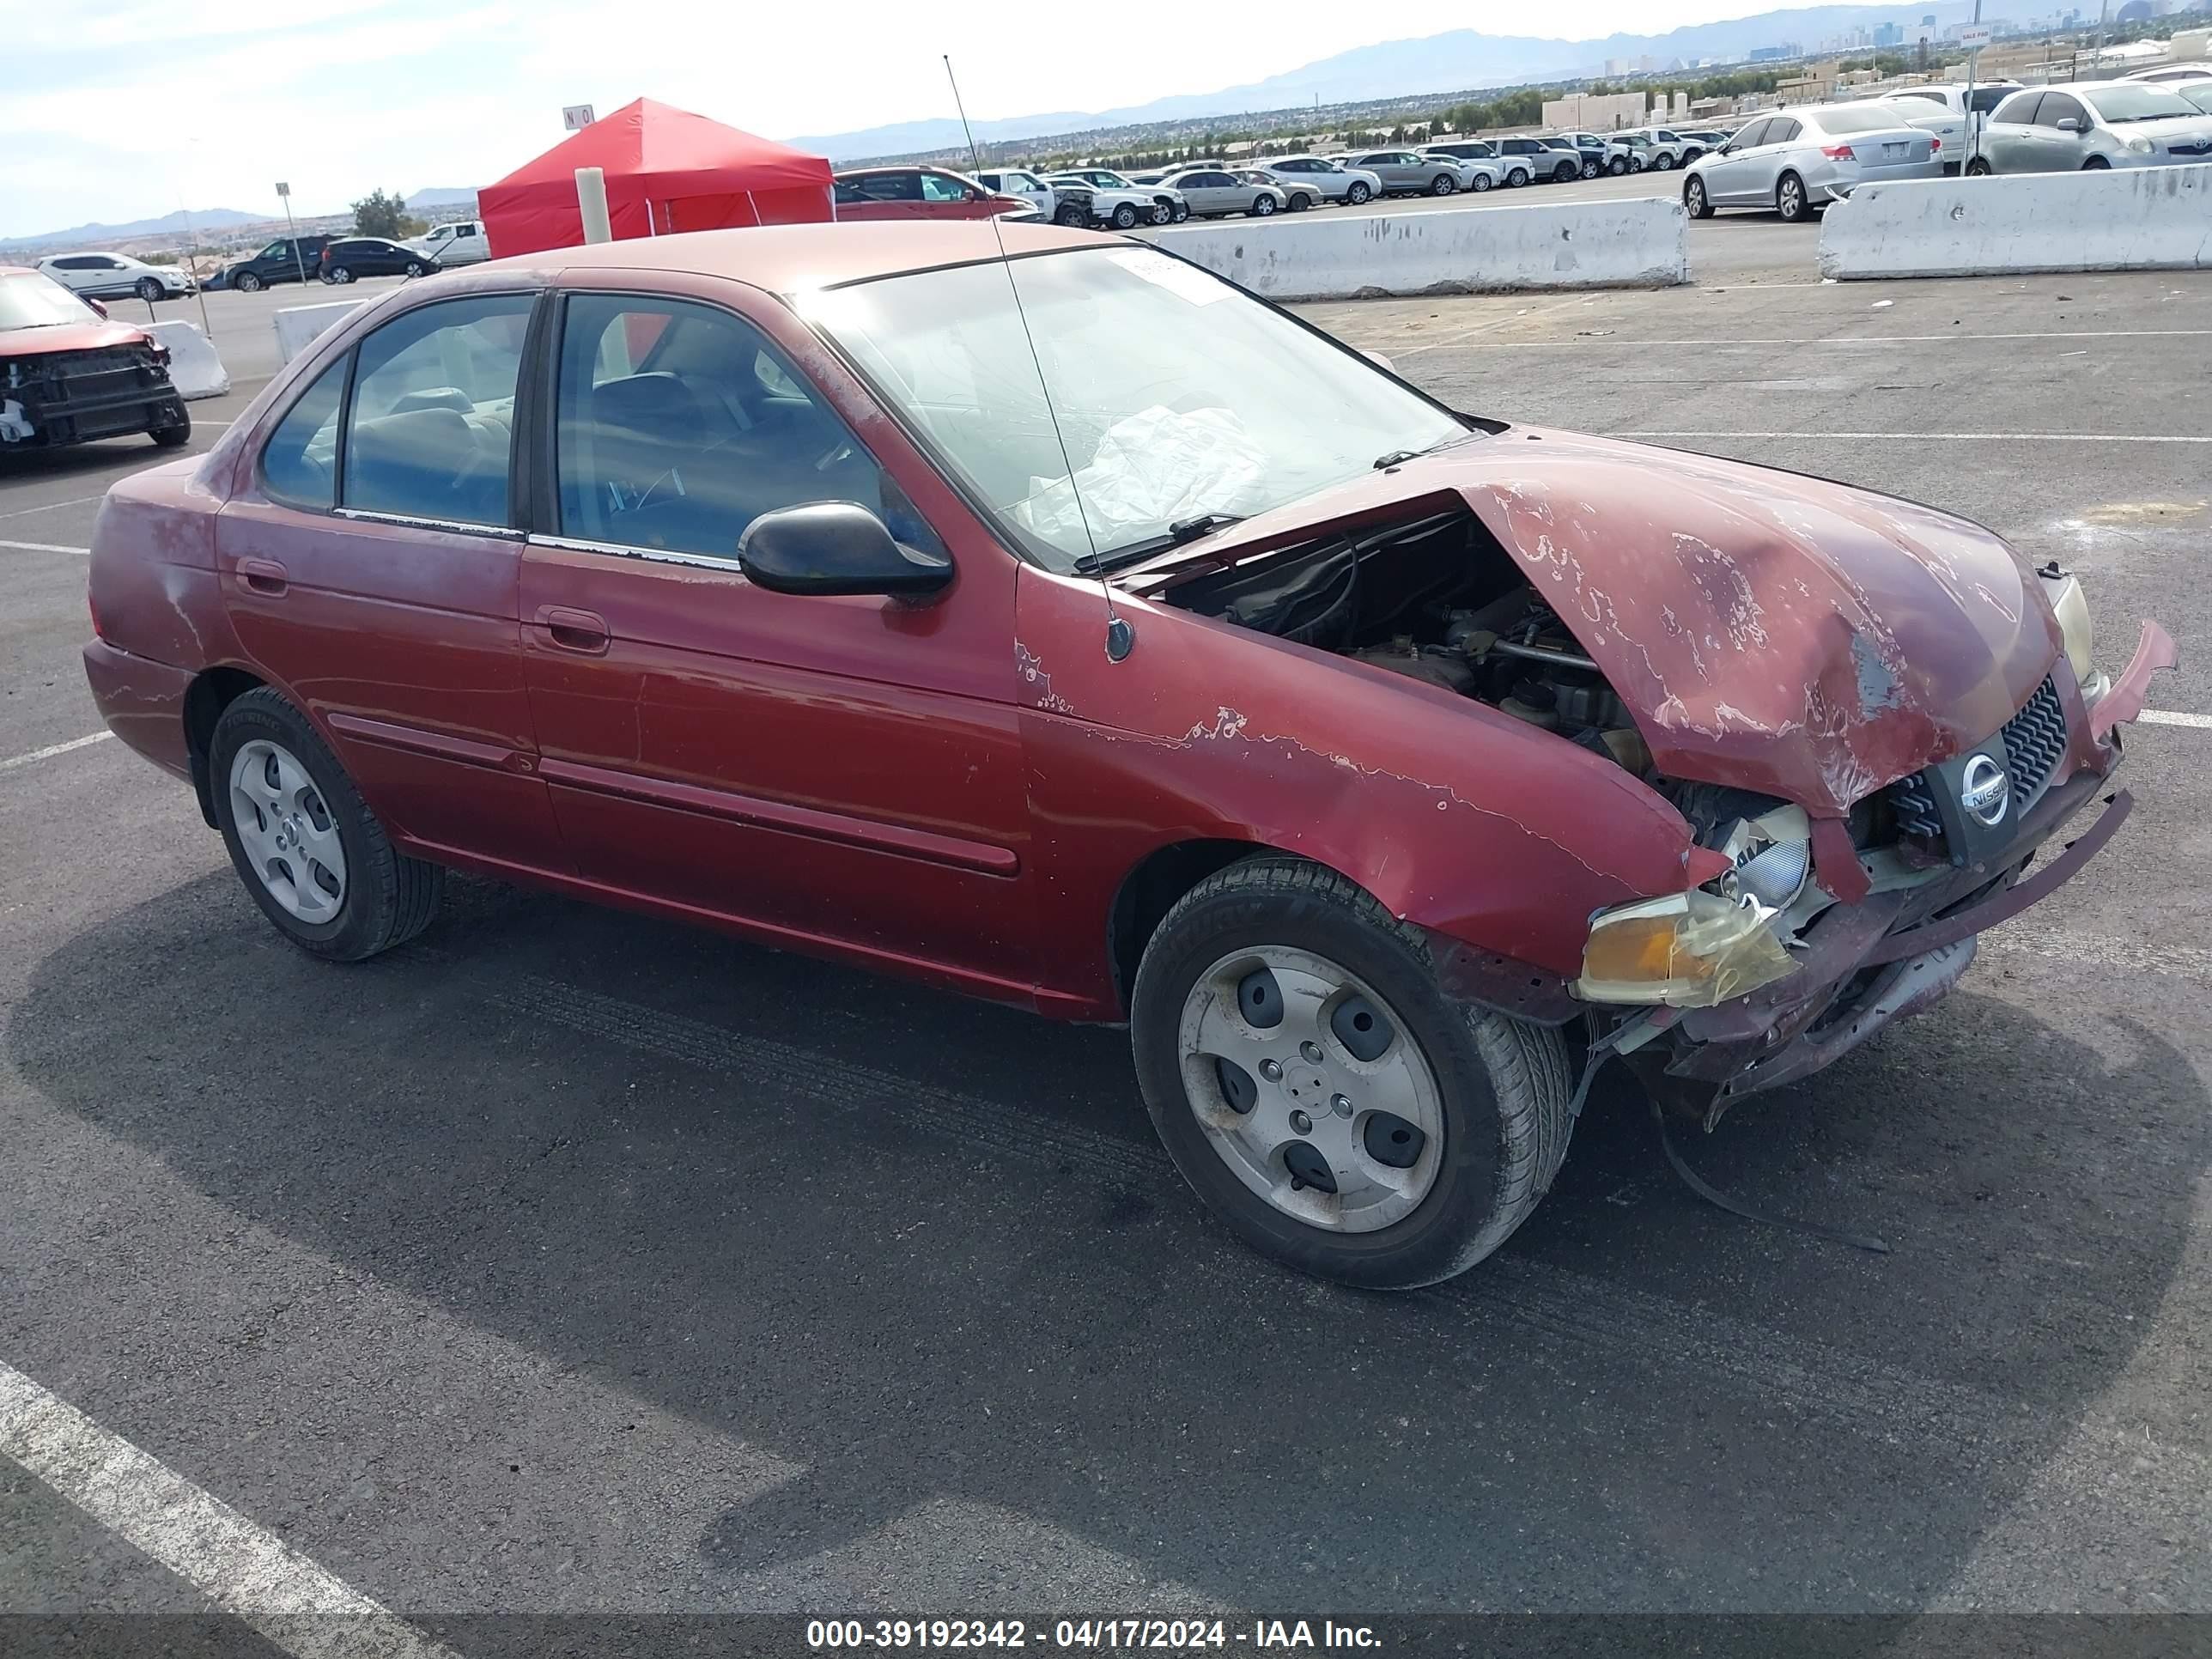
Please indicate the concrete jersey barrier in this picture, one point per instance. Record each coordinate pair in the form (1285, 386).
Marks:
(195, 368)
(2130, 219)
(1327, 256)
(298, 325)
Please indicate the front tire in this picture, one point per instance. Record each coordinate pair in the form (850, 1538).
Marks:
(1694, 202)
(1663, 162)
(1262, 206)
(1357, 194)
(2096, 164)
(310, 852)
(246, 283)
(177, 436)
(149, 290)
(1124, 216)
(1313, 1083)
(416, 267)
(1481, 182)
(1443, 184)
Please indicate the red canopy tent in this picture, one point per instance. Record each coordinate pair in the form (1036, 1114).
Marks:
(667, 170)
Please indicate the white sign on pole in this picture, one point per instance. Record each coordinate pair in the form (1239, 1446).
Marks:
(283, 190)
(1974, 36)
(576, 117)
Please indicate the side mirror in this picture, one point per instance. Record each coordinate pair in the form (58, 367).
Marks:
(1380, 362)
(2067, 124)
(97, 307)
(835, 547)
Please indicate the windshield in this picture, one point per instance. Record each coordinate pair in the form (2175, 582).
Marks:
(2137, 102)
(31, 300)
(1176, 395)
(2198, 92)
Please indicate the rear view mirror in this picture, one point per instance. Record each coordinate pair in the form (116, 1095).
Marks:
(835, 547)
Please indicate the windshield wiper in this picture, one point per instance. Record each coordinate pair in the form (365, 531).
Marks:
(1182, 531)
(1395, 457)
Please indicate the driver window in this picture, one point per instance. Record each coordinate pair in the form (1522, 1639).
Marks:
(431, 429)
(936, 187)
(2056, 107)
(677, 424)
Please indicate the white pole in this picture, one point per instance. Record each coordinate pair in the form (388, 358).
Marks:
(591, 203)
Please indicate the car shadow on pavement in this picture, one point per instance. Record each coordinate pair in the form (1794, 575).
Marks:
(926, 1251)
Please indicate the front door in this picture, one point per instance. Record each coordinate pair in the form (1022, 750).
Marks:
(1728, 176)
(370, 570)
(844, 772)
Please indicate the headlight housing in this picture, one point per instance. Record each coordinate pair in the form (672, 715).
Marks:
(2071, 607)
(2142, 146)
(1690, 950)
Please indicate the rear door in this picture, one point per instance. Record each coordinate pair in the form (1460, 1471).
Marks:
(370, 568)
(840, 771)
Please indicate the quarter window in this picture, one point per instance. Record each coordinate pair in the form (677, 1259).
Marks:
(431, 429)
(678, 425)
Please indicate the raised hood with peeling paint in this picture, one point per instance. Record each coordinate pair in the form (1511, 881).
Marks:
(92, 336)
(1769, 631)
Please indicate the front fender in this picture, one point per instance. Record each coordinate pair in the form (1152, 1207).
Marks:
(1454, 815)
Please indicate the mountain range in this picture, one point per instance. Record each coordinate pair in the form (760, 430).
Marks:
(167, 224)
(1452, 62)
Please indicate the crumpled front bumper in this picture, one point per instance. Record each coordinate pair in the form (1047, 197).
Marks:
(1863, 965)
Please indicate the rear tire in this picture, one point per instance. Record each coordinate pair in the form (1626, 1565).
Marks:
(1694, 202)
(386, 897)
(1791, 200)
(1618, 167)
(1591, 169)
(1301, 202)
(1496, 1091)
(1566, 173)
(338, 275)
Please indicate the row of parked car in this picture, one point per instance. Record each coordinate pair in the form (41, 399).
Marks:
(1797, 161)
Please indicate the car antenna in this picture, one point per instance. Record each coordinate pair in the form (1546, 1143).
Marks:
(1120, 635)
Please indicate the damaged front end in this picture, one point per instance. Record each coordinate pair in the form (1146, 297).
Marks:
(48, 399)
(1872, 716)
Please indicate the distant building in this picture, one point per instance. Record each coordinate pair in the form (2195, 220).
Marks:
(1889, 34)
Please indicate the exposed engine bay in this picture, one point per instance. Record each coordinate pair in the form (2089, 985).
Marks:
(1435, 600)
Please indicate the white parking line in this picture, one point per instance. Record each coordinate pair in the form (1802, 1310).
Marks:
(1826, 340)
(47, 547)
(2173, 717)
(49, 507)
(53, 749)
(248, 1573)
(1953, 437)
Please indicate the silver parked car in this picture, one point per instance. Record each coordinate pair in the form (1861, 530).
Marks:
(1547, 158)
(2093, 124)
(1797, 160)
(1409, 173)
(1331, 180)
(112, 276)
(1512, 171)
(2198, 92)
(1215, 192)
(1168, 205)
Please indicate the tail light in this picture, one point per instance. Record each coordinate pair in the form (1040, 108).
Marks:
(1935, 144)
(1839, 153)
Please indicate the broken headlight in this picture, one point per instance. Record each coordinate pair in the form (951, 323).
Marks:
(2069, 604)
(1689, 949)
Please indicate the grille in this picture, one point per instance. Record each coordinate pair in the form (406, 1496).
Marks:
(2035, 742)
(1914, 802)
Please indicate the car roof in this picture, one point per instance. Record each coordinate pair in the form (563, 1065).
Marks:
(790, 259)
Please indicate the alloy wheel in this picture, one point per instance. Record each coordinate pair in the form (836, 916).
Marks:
(287, 832)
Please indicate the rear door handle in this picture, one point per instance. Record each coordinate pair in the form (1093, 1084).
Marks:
(263, 575)
(575, 630)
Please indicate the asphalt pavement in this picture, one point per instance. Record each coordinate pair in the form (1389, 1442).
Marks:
(565, 1262)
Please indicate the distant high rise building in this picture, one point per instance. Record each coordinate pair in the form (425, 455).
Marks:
(1889, 34)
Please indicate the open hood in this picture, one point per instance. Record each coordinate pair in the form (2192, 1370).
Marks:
(1767, 630)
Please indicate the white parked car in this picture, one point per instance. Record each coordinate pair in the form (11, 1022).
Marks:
(1124, 207)
(461, 243)
(1168, 206)
(1022, 183)
(112, 276)
(2090, 126)
(2167, 73)
(1511, 170)
(1947, 111)
(1330, 181)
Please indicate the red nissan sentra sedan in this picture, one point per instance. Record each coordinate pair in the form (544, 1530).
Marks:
(1386, 768)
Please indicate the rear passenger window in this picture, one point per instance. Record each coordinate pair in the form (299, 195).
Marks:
(676, 425)
(432, 425)
(300, 464)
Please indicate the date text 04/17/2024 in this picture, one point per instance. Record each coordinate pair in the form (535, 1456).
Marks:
(1086, 1634)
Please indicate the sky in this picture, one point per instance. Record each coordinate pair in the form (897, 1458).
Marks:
(117, 110)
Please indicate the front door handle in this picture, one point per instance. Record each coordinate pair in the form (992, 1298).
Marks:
(575, 630)
(263, 576)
